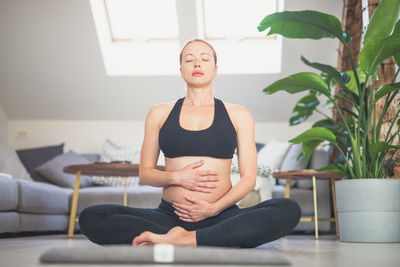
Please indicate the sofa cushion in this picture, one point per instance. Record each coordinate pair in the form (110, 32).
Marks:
(290, 162)
(8, 194)
(303, 196)
(52, 170)
(34, 157)
(92, 157)
(140, 197)
(9, 222)
(43, 222)
(37, 197)
(11, 164)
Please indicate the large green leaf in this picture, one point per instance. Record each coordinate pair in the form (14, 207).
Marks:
(304, 109)
(303, 24)
(375, 51)
(308, 101)
(382, 21)
(385, 89)
(380, 147)
(352, 84)
(299, 82)
(343, 79)
(315, 133)
(311, 138)
(326, 123)
(397, 59)
(307, 149)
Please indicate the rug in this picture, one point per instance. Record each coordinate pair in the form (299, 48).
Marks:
(163, 253)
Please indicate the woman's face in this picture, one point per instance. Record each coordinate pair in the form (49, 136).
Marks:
(198, 65)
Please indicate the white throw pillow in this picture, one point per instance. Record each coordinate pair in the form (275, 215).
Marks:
(116, 152)
(272, 154)
(263, 170)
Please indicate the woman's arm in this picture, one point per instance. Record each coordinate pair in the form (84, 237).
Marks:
(148, 174)
(247, 156)
(188, 177)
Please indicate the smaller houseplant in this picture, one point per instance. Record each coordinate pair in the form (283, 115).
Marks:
(364, 154)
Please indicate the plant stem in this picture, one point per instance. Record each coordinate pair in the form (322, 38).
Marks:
(340, 114)
(388, 101)
(393, 137)
(395, 76)
(391, 125)
(345, 158)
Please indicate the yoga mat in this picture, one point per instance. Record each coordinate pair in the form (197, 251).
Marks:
(163, 253)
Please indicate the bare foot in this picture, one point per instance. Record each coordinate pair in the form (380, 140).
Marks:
(177, 236)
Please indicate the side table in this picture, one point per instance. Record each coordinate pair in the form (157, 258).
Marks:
(314, 175)
(98, 169)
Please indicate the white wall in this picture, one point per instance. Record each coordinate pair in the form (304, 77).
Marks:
(89, 136)
(65, 96)
(3, 126)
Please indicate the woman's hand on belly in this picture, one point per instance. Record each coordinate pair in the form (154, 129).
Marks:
(197, 180)
(197, 211)
(197, 204)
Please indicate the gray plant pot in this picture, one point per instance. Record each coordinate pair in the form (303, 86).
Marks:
(368, 210)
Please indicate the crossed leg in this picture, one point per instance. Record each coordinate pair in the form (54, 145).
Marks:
(117, 224)
(249, 227)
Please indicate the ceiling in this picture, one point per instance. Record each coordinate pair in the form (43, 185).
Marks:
(52, 68)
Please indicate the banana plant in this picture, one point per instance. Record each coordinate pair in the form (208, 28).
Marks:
(357, 135)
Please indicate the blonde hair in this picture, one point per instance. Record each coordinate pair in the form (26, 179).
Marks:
(198, 40)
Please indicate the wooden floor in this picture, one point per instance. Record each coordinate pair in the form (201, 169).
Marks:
(301, 250)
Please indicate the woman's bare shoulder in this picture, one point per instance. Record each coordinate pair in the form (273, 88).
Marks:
(159, 112)
(237, 110)
(240, 115)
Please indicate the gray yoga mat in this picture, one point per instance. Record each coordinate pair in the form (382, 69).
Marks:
(163, 253)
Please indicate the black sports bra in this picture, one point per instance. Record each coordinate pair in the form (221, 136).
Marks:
(217, 141)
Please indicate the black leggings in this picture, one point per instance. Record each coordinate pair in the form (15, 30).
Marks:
(248, 227)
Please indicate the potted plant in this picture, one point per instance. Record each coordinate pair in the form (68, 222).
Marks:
(368, 203)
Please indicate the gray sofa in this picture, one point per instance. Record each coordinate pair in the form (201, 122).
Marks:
(37, 206)
(32, 206)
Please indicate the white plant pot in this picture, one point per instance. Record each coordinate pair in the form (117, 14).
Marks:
(368, 210)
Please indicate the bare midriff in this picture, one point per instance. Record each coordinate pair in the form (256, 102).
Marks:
(175, 193)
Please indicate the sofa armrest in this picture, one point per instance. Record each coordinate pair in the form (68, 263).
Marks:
(8, 193)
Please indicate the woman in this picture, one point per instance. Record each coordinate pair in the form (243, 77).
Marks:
(198, 135)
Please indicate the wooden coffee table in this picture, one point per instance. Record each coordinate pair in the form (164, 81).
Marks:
(312, 175)
(98, 169)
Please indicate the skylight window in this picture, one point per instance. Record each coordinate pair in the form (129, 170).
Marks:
(231, 27)
(235, 19)
(138, 19)
(140, 37)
